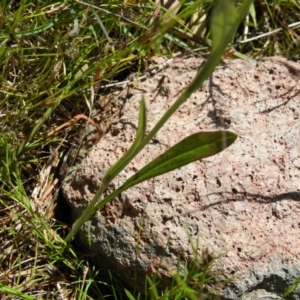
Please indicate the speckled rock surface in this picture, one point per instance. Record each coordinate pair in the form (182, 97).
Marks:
(242, 203)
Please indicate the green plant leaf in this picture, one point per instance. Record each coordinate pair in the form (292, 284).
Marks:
(6, 290)
(190, 149)
(133, 150)
(252, 13)
(114, 171)
(291, 288)
(129, 295)
(223, 25)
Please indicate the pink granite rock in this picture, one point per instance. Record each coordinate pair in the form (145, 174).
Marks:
(242, 203)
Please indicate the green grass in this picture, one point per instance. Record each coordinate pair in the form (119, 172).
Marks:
(48, 69)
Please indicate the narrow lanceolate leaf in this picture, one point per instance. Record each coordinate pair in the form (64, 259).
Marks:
(223, 25)
(190, 149)
(123, 162)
